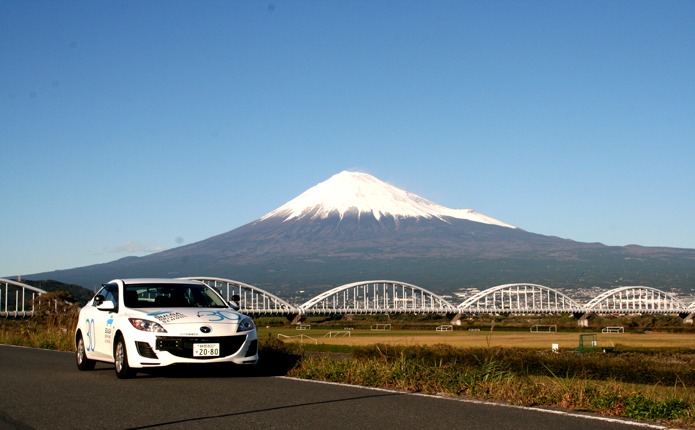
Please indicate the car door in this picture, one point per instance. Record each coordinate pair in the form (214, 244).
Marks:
(86, 323)
(103, 319)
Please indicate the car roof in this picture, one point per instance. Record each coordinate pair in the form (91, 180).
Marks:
(135, 281)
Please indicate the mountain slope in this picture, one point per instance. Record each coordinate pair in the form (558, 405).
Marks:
(354, 227)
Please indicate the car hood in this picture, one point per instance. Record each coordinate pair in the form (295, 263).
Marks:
(176, 316)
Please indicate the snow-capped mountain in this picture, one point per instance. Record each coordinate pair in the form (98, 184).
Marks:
(354, 227)
(363, 194)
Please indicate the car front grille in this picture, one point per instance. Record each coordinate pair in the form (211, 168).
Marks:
(183, 346)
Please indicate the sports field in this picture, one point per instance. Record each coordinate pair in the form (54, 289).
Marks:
(464, 338)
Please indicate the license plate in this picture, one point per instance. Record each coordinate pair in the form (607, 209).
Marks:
(206, 349)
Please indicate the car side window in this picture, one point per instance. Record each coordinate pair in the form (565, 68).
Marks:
(111, 293)
(98, 297)
(108, 293)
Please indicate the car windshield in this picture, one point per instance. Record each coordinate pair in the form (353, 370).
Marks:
(171, 296)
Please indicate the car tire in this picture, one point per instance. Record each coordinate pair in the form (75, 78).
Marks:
(120, 359)
(83, 363)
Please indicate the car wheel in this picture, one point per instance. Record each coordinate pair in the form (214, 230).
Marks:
(83, 363)
(120, 358)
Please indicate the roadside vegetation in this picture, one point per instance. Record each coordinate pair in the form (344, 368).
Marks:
(496, 374)
(653, 384)
(52, 327)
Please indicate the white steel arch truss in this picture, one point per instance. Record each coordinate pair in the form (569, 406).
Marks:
(377, 297)
(253, 300)
(635, 299)
(519, 299)
(16, 298)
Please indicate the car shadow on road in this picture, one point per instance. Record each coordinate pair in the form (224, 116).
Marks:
(272, 362)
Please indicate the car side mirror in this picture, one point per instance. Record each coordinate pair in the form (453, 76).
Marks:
(234, 303)
(106, 305)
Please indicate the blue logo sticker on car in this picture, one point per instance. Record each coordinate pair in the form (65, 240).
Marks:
(167, 316)
(220, 315)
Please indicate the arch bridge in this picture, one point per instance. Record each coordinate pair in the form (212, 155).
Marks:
(388, 296)
(377, 297)
(364, 297)
(637, 299)
(16, 298)
(519, 299)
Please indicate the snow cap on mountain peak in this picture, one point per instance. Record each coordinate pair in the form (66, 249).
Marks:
(365, 194)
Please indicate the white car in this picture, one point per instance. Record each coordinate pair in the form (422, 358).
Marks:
(146, 323)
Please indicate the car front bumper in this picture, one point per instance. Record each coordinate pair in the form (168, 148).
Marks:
(159, 351)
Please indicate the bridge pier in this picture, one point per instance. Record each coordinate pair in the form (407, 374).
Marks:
(455, 319)
(582, 319)
(688, 318)
(296, 318)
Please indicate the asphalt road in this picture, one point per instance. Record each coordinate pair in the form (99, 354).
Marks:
(43, 389)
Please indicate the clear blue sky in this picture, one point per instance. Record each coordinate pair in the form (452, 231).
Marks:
(133, 126)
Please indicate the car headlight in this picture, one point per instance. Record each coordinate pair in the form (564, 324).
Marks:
(146, 325)
(246, 324)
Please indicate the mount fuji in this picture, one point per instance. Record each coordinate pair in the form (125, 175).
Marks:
(354, 227)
